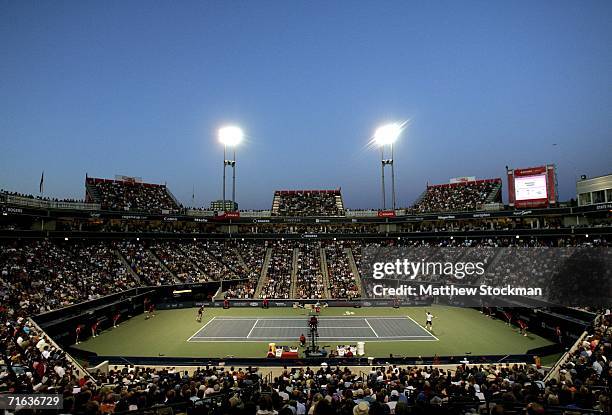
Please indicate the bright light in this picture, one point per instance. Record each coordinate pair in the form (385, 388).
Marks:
(230, 135)
(387, 134)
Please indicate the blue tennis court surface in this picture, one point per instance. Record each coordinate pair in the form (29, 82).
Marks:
(331, 329)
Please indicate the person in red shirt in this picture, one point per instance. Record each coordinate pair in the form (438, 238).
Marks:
(116, 318)
(94, 328)
(266, 303)
(303, 340)
(226, 303)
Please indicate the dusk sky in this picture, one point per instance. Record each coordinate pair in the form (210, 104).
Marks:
(139, 88)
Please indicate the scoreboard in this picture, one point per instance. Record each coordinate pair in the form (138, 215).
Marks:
(533, 187)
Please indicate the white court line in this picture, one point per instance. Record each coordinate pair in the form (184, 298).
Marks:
(320, 318)
(320, 327)
(254, 324)
(423, 328)
(331, 339)
(384, 318)
(368, 323)
(201, 328)
(276, 338)
(429, 337)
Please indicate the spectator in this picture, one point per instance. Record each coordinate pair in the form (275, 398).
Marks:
(459, 196)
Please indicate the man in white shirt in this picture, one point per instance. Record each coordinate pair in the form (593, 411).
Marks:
(429, 322)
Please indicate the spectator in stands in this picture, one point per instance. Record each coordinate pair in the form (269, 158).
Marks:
(308, 203)
(132, 196)
(459, 196)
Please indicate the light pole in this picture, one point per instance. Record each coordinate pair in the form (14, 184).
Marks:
(230, 136)
(386, 136)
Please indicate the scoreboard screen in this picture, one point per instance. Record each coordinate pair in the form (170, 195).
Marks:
(530, 187)
(533, 187)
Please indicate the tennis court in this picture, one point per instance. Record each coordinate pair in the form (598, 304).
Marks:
(331, 329)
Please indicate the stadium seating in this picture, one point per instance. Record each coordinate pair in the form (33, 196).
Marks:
(307, 203)
(342, 280)
(42, 276)
(459, 196)
(278, 275)
(252, 255)
(214, 262)
(143, 263)
(309, 281)
(127, 195)
(177, 261)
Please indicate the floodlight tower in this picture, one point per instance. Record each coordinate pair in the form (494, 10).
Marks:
(230, 136)
(386, 136)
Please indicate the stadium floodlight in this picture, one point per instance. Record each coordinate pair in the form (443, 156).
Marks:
(231, 135)
(387, 134)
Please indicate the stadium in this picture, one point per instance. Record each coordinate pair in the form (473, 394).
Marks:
(305, 208)
(128, 282)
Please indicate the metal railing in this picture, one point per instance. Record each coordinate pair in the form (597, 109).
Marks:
(554, 370)
(49, 204)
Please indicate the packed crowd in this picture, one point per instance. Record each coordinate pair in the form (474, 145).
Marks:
(38, 367)
(144, 264)
(29, 361)
(307, 203)
(466, 389)
(278, 282)
(75, 270)
(457, 196)
(214, 261)
(178, 261)
(586, 377)
(252, 256)
(140, 197)
(40, 276)
(226, 255)
(342, 281)
(309, 281)
(130, 389)
(520, 262)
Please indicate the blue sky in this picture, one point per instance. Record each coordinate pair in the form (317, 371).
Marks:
(140, 87)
